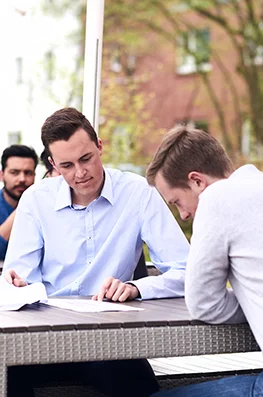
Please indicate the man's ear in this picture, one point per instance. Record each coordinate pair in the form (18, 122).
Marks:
(100, 146)
(1, 175)
(197, 181)
(51, 161)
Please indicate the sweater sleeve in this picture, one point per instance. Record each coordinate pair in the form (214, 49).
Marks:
(207, 296)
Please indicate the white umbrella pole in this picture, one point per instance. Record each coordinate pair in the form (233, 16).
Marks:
(92, 61)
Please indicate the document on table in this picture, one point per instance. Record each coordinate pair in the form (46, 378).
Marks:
(12, 298)
(90, 306)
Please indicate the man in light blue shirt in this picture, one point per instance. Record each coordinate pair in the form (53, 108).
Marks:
(85, 230)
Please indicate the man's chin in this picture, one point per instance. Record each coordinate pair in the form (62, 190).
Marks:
(19, 192)
(15, 195)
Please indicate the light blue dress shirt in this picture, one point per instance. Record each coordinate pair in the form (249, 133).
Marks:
(73, 249)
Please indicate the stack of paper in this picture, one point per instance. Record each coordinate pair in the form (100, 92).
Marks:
(12, 298)
(90, 306)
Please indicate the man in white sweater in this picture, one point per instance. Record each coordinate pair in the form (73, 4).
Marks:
(191, 171)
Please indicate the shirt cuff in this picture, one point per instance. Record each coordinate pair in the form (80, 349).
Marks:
(139, 294)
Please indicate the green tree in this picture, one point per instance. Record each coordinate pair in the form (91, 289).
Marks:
(241, 22)
(124, 121)
(124, 118)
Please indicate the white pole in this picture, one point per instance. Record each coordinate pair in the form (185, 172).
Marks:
(92, 61)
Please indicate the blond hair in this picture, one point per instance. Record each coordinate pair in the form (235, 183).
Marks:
(183, 150)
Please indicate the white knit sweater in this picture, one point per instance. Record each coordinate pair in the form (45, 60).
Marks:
(227, 243)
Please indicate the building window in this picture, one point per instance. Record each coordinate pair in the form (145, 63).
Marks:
(259, 56)
(19, 70)
(254, 53)
(115, 60)
(49, 61)
(14, 138)
(131, 64)
(198, 124)
(201, 125)
(121, 143)
(250, 147)
(193, 52)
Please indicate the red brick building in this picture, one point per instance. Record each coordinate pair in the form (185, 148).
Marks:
(194, 79)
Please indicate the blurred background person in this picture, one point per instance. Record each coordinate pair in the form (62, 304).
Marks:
(50, 170)
(18, 173)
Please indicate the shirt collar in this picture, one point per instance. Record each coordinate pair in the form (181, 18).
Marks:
(245, 170)
(107, 190)
(64, 194)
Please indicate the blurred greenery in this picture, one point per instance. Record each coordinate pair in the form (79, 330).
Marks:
(186, 226)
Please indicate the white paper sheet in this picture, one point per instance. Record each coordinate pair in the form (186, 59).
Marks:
(12, 298)
(90, 306)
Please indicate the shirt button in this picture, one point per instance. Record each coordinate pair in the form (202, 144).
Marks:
(89, 238)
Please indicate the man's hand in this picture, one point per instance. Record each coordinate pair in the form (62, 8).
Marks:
(116, 290)
(13, 278)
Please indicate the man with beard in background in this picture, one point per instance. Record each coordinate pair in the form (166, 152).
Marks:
(18, 173)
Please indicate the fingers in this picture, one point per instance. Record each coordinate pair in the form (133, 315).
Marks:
(127, 294)
(13, 278)
(19, 282)
(10, 275)
(116, 290)
(104, 289)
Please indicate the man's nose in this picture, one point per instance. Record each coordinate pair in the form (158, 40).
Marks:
(185, 215)
(80, 171)
(21, 177)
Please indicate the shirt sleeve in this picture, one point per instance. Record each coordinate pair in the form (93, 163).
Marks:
(168, 248)
(25, 248)
(3, 248)
(207, 297)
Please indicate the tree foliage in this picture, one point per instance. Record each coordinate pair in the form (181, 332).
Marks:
(124, 121)
(124, 118)
(241, 22)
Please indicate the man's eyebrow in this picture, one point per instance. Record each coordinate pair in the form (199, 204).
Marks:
(85, 155)
(21, 170)
(81, 158)
(65, 162)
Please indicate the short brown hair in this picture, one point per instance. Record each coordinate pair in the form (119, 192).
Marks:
(62, 124)
(184, 150)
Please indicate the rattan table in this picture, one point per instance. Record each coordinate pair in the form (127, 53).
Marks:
(38, 334)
